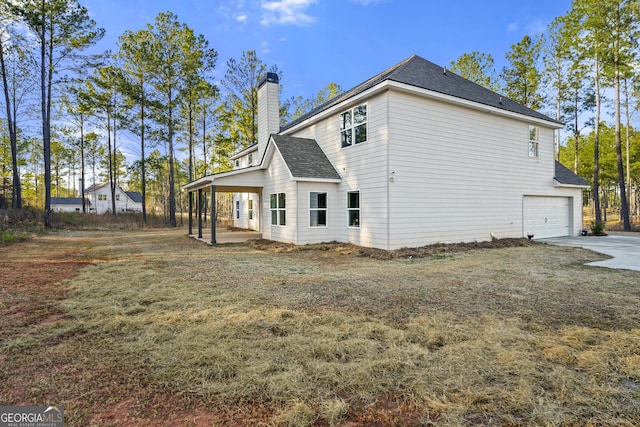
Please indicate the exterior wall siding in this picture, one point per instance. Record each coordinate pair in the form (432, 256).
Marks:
(460, 174)
(335, 224)
(278, 180)
(362, 167)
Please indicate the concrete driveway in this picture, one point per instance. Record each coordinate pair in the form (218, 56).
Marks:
(625, 250)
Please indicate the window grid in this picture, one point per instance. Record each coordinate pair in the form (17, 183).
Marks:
(353, 208)
(353, 126)
(317, 209)
(533, 141)
(278, 206)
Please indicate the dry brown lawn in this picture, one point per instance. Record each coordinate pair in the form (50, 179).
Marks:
(153, 328)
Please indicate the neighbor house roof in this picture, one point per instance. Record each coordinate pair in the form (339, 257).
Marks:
(136, 196)
(420, 73)
(95, 187)
(304, 158)
(66, 200)
(565, 176)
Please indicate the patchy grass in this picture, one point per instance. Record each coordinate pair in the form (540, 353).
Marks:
(150, 327)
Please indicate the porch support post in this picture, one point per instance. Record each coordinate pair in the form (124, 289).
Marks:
(199, 213)
(213, 215)
(190, 213)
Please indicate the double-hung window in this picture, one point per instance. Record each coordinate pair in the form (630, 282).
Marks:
(278, 209)
(533, 141)
(250, 208)
(353, 208)
(353, 126)
(317, 209)
(237, 209)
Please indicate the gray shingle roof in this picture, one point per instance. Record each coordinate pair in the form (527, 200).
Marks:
(136, 196)
(304, 158)
(66, 200)
(419, 72)
(567, 177)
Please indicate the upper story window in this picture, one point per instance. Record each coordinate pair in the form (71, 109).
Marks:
(353, 126)
(250, 159)
(533, 141)
(102, 197)
(237, 163)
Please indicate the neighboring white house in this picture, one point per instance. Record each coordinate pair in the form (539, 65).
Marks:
(67, 204)
(99, 196)
(413, 156)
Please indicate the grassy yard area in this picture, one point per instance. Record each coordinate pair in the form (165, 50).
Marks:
(153, 328)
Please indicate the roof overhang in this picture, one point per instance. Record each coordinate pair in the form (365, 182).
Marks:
(403, 87)
(247, 180)
(387, 85)
(557, 183)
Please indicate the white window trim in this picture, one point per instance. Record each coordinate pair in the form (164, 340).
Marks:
(326, 210)
(278, 209)
(353, 126)
(535, 142)
(359, 209)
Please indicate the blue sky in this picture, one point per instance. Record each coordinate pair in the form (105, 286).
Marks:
(315, 42)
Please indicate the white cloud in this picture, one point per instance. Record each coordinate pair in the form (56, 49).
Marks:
(536, 27)
(241, 17)
(287, 12)
(512, 27)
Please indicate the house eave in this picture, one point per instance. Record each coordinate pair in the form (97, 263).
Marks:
(322, 180)
(209, 180)
(386, 85)
(403, 87)
(557, 183)
(244, 152)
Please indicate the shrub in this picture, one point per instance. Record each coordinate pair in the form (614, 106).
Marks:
(597, 228)
(7, 237)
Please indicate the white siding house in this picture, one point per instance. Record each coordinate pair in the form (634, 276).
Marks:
(67, 204)
(413, 156)
(99, 197)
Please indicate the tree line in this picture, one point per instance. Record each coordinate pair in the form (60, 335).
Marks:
(66, 112)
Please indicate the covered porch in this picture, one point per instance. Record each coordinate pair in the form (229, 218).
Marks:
(241, 181)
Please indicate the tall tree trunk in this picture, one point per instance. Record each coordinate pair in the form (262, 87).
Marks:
(596, 145)
(630, 195)
(204, 155)
(82, 183)
(142, 159)
(576, 136)
(624, 205)
(16, 192)
(172, 189)
(46, 78)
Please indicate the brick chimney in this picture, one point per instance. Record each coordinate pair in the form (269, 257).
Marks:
(268, 110)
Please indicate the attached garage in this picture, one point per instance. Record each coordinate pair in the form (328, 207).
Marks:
(547, 216)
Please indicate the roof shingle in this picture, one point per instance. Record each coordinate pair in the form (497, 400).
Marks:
(304, 158)
(418, 72)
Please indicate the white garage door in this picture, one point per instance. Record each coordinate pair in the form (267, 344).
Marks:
(546, 216)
